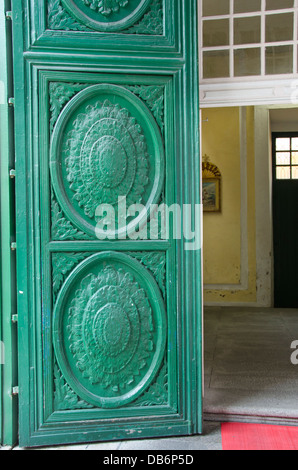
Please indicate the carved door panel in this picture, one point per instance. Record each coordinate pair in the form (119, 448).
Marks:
(106, 119)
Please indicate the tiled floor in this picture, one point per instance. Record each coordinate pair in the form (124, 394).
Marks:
(248, 375)
(248, 370)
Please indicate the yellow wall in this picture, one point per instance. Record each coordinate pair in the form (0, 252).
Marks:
(229, 254)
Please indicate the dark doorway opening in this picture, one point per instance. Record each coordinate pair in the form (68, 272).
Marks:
(285, 219)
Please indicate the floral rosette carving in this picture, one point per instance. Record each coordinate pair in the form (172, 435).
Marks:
(106, 7)
(106, 157)
(111, 330)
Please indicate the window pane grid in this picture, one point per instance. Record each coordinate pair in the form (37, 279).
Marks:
(286, 158)
(248, 15)
(262, 38)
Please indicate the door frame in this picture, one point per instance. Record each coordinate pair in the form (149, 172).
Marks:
(274, 136)
(8, 330)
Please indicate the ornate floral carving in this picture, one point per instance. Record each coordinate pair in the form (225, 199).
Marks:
(60, 94)
(209, 170)
(151, 23)
(65, 397)
(156, 263)
(111, 329)
(105, 154)
(106, 7)
(62, 229)
(158, 394)
(60, 19)
(62, 265)
(106, 157)
(154, 98)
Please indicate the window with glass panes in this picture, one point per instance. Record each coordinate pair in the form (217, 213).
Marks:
(285, 159)
(244, 38)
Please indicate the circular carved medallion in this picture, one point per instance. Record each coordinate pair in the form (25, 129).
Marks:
(106, 145)
(107, 15)
(109, 330)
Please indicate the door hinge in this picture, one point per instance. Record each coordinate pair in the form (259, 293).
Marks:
(8, 15)
(13, 246)
(15, 391)
(11, 102)
(15, 318)
(12, 174)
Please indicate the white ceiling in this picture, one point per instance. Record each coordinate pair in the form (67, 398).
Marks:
(284, 115)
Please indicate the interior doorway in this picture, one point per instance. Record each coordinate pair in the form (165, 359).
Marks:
(248, 372)
(285, 221)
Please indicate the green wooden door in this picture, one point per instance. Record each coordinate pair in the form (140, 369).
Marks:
(106, 117)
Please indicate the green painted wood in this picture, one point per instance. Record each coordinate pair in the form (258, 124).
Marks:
(8, 377)
(109, 280)
(115, 16)
(106, 105)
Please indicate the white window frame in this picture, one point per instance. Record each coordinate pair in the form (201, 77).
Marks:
(253, 90)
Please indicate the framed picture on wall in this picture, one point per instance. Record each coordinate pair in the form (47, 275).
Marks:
(211, 195)
(211, 188)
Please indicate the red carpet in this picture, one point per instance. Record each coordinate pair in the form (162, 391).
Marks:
(240, 436)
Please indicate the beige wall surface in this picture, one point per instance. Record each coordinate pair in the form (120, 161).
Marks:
(229, 236)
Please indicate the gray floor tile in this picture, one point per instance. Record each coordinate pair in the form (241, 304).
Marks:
(210, 440)
(251, 370)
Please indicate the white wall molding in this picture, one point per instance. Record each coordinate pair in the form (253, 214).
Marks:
(231, 304)
(279, 91)
(264, 217)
